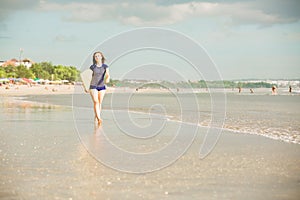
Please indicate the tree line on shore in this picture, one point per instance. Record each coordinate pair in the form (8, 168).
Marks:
(48, 71)
(43, 70)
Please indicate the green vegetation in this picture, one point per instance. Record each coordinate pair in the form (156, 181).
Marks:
(43, 70)
(47, 71)
(255, 85)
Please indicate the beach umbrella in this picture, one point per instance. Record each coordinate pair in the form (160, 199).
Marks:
(26, 80)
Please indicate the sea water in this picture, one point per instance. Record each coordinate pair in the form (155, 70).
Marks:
(273, 116)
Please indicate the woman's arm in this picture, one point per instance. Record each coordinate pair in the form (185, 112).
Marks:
(107, 76)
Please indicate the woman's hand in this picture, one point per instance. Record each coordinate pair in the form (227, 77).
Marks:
(85, 90)
(107, 76)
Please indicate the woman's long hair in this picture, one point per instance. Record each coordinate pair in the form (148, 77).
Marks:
(94, 60)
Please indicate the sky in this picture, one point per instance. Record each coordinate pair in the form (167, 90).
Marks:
(257, 39)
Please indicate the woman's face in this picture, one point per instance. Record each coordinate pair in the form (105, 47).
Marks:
(98, 57)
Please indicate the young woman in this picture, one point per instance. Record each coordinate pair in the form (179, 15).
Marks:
(100, 76)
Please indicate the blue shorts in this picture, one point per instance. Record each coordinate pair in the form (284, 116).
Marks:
(98, 88)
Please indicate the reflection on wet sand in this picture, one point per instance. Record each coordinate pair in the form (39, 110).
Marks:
(21, 104)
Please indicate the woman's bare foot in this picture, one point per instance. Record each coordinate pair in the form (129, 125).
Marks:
(99, 122)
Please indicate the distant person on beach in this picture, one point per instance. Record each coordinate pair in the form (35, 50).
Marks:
(251, 91)
(290, 89)
(274, 90)
(97, 88)
(240, 89)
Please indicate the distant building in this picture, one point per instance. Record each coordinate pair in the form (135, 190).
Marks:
(2, 62)
(28, 63)
(14, 62)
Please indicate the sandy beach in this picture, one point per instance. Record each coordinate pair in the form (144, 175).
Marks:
(25, 90)
(42, 157)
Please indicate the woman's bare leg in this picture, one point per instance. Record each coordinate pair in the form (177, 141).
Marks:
(101, 94)
(94, 95)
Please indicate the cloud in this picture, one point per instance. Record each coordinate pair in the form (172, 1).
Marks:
(141, 13)
(285, 9)
(8, 7)
(159, 12)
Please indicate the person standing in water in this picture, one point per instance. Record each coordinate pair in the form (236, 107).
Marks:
(274, 90)
(97, 88)
(290, 89)
(240, 89)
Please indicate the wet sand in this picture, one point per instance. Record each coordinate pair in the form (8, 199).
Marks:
(41, 157)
